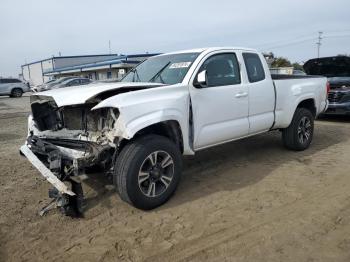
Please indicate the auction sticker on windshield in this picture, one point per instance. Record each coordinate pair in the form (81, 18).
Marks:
(180, 65)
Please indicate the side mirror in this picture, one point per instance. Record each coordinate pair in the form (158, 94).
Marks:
(201, 79)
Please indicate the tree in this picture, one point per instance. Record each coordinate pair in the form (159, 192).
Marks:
(281, 62)
(297, 66)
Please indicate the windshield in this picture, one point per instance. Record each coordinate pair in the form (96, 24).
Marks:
(166, 69)
(50, 81)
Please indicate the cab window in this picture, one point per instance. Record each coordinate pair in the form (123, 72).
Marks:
(222, 70)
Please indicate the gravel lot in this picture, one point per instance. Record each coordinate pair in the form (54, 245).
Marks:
(249, 200)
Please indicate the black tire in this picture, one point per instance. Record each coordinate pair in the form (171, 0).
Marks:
(134, 158)
(16, 92)
(298, 136)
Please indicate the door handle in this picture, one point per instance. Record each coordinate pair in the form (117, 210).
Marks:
(243, 94)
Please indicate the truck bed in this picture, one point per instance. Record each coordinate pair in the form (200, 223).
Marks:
(292, 89)
(282, 77)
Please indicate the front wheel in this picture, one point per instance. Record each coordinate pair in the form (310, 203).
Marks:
(148, 171)
(16, 92)
(298, 135)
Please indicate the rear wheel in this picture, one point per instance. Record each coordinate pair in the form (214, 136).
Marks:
(16, 92)
(298, 135)
(148, 171)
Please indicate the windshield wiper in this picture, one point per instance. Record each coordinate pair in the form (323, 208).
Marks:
(158, 74)
(134, 70)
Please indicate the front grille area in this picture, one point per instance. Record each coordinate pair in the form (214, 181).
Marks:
(335, 97)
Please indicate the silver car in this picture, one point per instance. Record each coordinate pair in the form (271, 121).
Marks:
(50, 84)
(73, 82)
(13, 87)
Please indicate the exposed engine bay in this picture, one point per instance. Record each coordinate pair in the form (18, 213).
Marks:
(76, 121)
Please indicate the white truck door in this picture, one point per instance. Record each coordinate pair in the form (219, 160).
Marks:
(261, 93)
(220, 107)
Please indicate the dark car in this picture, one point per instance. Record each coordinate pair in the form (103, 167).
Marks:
(337, 69)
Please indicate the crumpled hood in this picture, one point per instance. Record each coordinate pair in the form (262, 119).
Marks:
(76, 95)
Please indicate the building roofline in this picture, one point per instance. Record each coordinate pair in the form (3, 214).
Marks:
(123, 59)
(73, 56)
(78, 56)
(38, 61)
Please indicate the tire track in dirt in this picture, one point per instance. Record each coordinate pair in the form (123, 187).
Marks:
(231, 199)
(189, 250)
(13, 115)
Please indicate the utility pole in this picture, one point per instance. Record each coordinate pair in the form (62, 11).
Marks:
(109, 46)
(319, 43)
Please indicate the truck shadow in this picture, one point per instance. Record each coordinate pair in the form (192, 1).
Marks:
(98, 190)
(335, 118)
(227, 167)
(245, 162)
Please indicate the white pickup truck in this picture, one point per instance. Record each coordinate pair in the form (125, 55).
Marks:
(170, 105)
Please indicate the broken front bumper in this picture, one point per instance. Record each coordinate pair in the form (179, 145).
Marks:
(50, 177)
(64, 162)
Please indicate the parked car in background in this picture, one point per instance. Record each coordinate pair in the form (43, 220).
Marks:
(36, 88)
(337, 69)
(13, 87)
(49, 85)
(72, 82)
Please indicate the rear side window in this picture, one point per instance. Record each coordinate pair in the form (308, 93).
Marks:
(9, 80)
(74, 82)
(255, 69)
(85, 81)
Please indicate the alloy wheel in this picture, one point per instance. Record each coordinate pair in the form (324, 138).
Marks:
(304, 130)
(156, 173)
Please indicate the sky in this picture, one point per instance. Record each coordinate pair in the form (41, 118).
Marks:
(37, 29)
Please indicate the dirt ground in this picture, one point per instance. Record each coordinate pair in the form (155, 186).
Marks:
(249, 200)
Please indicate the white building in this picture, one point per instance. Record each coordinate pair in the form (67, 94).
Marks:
(96, 67)
(282, 70)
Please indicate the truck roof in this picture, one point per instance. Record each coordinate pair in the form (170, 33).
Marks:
(209, 49)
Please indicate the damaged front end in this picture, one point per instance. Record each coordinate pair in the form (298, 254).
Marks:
(66, 143)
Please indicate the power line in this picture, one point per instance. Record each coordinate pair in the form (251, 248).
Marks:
(338, 31)
(282, 41)
(336, 36)
(319, 41)
(291, 43)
